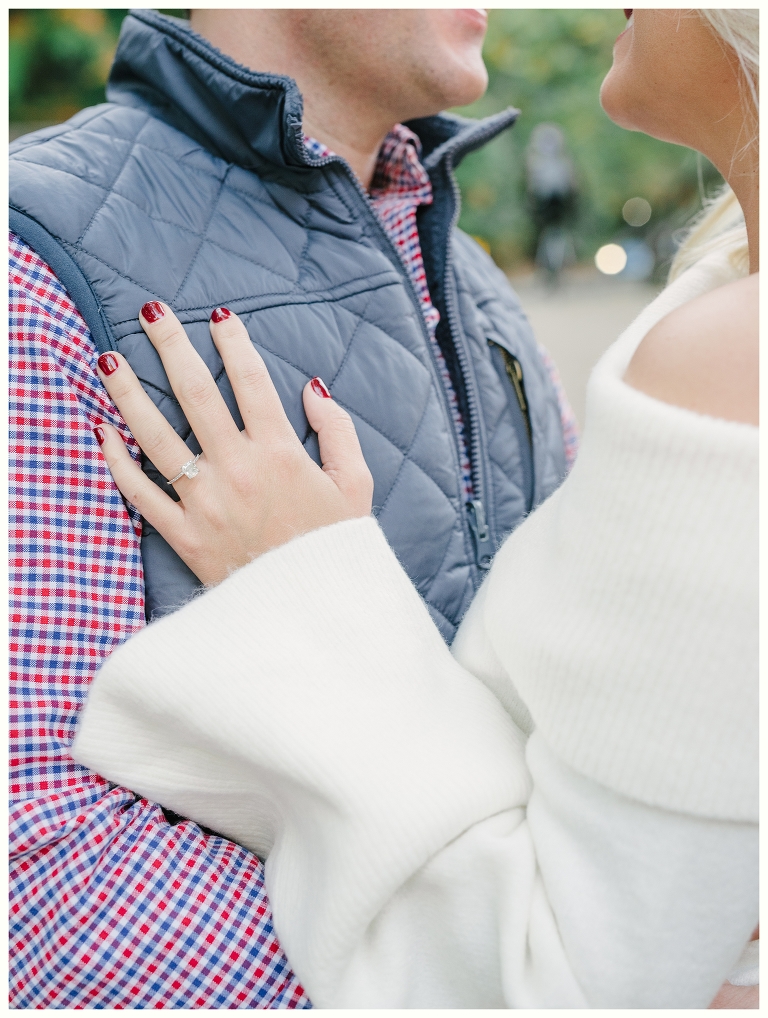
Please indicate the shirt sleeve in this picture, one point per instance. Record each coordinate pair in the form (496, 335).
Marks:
(111, 905)
(568, 420)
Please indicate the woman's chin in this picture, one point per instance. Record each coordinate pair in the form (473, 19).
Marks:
(614, 105)
(636, 113)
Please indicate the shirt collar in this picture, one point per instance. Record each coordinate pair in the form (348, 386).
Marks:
(398, 168)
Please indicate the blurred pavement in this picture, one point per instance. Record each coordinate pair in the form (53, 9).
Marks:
(578, 320)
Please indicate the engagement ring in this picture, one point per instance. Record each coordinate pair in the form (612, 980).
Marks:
(190, 469)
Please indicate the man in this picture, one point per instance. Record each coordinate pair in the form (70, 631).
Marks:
(329, 228)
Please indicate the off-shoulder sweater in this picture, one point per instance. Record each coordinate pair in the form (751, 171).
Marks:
(562, 811)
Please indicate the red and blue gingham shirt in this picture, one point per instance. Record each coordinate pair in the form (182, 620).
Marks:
(111, 905)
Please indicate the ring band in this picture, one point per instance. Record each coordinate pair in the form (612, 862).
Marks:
(190, 469)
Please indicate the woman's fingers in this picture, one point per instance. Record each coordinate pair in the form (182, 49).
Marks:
(256, 396)
(340, 450)
(157, 439)
(154, 505)
(190, 379)
(256, 490)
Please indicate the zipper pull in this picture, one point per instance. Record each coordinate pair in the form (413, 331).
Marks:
(515, 375)
(481, 534)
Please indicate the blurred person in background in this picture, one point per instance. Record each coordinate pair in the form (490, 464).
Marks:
(552, 196)
(562, 812)
(257, 159)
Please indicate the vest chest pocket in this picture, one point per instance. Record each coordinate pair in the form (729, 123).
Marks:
(508, 365)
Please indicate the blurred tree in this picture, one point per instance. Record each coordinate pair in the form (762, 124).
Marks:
(549, 63)
(59, 60)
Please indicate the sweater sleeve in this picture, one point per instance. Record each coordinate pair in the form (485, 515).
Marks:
(414, 856)
(348, 762)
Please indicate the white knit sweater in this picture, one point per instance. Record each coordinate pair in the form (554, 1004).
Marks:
(563, 813)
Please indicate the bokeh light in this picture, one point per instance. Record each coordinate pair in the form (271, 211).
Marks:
(611, 259)
(636, 211)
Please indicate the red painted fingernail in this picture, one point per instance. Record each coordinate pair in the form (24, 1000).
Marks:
(220, 315)
(100, 436)
(320, 388)
(152, 311)
(108, 363)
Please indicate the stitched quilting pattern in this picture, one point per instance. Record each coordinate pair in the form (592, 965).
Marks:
(400, 185)
(265, 252)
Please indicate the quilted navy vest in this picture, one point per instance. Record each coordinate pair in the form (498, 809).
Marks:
(192, 185)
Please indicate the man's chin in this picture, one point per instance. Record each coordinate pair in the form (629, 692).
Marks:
(465, 86)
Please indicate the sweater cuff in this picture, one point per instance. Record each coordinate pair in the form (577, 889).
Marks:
(308, 708)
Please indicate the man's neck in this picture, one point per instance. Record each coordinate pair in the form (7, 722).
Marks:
(349, 123)
(360, 149)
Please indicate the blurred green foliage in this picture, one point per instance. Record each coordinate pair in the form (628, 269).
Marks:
(58, 60)
(549, 63)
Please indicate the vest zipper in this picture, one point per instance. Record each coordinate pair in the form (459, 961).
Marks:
(478, 524)
(482, 535)
(483, 546)
(328, 160)
(363, 195)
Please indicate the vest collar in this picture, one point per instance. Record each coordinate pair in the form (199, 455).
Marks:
(245, 117)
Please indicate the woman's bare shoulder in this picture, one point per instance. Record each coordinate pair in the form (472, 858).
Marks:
(704, 355)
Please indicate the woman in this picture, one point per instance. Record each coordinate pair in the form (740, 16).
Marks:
(562, 811)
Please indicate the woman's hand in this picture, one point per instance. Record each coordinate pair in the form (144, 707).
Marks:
(736, 998)
(255, 489)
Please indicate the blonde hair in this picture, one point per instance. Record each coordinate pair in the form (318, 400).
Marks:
(720, 226)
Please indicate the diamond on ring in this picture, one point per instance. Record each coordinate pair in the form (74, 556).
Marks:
(190, 469)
